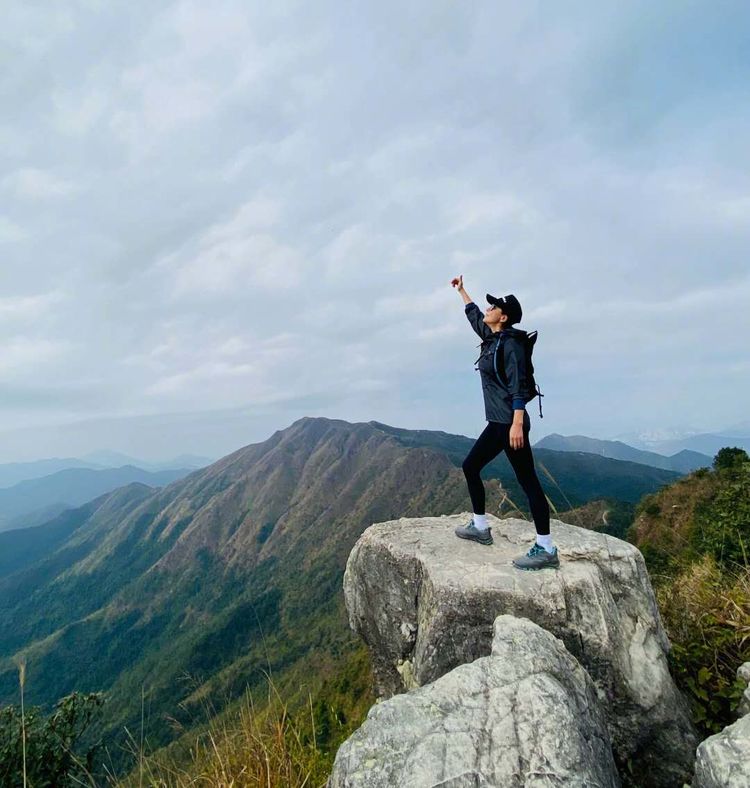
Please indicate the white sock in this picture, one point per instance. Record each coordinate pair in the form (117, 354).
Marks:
(545, 540)
(480, 521)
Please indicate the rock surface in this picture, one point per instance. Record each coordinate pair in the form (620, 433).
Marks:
(425, 601)
(526, 715)
(723, 760)
(743, 672)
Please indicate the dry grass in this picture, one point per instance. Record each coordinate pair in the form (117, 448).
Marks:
(668, 527)
(22, 684)
(706, 612)
(516, 511)
(705, 599)
(244, 748)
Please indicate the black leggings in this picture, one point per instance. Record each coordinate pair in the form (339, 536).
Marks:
(494, 438)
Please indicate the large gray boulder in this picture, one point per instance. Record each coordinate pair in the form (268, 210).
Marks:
(527, 715)
(425, 601)
(723, 760)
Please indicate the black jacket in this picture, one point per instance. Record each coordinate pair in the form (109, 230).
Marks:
(500, 347)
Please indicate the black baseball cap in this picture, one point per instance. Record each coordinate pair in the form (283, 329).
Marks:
(510, 306)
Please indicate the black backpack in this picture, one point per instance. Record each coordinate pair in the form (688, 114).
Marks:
(532, 387)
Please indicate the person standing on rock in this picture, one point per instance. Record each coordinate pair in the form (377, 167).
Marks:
(508, 424)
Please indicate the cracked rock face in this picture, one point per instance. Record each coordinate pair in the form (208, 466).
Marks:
(528, 714)
(425, 601)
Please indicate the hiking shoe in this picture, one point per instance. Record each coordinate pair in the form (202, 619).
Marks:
(470, 531)
(537, 558)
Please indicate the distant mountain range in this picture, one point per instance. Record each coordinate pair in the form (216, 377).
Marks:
(14, 472)
(683, 461)
(668, 442)
(114, 459)
(236, 568)
(36, 500)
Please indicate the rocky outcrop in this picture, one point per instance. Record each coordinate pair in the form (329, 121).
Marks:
(743, 673)
(723, 760)
(528, 714)
(425, 602)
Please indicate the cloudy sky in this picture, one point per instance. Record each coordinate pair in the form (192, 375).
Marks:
(218, 217)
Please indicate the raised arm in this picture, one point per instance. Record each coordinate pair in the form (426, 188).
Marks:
(473, 312)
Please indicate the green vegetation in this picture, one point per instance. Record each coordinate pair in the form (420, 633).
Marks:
(722, 521)
(695, 539)
(259, 742)
(706, 611)
(42, 751)
(183, 652)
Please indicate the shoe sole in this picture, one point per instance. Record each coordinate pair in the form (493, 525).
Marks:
(474, 539)
(536, 568)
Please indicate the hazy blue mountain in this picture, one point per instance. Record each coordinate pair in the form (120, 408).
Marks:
(72, 487)
(706, 443)
(113, 459)
(683, 462)
(742, 428)
(14, 472)
(35, 517)
(671, 441)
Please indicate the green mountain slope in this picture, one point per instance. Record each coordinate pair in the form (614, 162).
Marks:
(578, 476)
(195, 589)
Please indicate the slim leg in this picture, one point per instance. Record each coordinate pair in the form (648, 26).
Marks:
(522, 461)
(487, 446)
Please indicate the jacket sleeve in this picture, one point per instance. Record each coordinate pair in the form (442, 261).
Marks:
(475, 316)
(515, 370)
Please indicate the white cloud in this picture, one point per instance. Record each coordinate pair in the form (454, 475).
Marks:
(77, 110)
(22, 355)
(214, 372)
(10, 231)
(34, 184)
(478, 209)
(249, 203)
(27, 308)
(234, 256)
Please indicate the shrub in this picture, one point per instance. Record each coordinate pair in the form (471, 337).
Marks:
(43, 747)
(706, 612)
(721, 522)
(730, 458)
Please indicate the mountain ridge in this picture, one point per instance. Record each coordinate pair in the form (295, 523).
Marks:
(234, 569)
(72, 487)
(684, 461)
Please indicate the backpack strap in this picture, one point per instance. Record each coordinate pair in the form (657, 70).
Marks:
(503, 378)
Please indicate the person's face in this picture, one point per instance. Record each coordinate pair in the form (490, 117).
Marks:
(494, 316)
